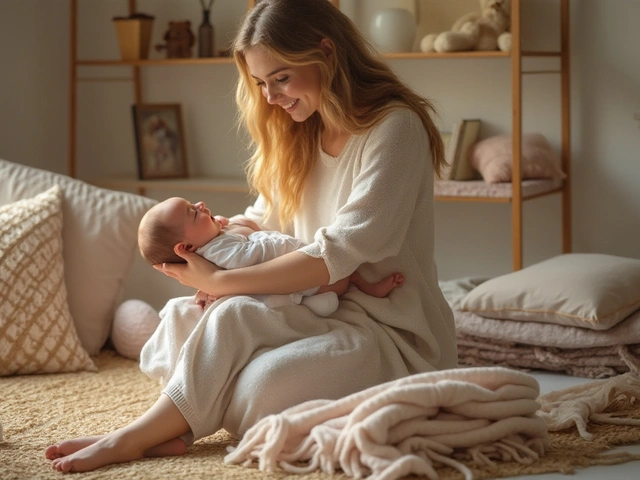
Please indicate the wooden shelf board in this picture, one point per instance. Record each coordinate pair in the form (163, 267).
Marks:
(451, 192)
(533, 53)
(229, 60)
(480, 191)
(156, 62)
(212, 184)
(419, 55)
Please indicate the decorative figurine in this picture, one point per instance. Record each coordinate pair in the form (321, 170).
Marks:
(180, 39)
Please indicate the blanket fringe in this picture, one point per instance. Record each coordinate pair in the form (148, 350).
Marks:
(580, 404)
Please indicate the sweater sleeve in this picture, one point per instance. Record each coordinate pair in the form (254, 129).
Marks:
(372, 224)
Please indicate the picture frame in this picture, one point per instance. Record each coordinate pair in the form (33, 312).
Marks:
(160, 143)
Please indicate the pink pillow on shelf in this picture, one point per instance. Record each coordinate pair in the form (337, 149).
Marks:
(492, 158)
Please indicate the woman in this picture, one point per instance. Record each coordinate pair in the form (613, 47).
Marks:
(344, 158)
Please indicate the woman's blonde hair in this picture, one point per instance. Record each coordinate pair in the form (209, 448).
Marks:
(357, 90)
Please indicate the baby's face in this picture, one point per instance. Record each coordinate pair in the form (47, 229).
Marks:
(199, 225)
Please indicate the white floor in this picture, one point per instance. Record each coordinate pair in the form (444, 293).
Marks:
(626, 471)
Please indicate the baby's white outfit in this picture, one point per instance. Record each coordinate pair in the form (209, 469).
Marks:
(231, 250)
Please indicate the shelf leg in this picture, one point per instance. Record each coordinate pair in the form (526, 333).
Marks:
(516, 134)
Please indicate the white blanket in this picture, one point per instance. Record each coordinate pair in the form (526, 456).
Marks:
(405, 427)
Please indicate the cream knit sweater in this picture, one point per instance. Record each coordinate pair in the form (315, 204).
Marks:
(370, 208)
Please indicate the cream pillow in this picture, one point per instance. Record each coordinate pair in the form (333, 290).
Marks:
(493, 156)
(99, 237)
(37, 334)
(588, 290)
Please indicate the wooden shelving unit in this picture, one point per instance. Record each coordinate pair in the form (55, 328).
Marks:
(516, 194)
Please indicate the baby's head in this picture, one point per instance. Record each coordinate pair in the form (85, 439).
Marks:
(171, 222)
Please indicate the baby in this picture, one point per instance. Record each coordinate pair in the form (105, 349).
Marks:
(234, 244)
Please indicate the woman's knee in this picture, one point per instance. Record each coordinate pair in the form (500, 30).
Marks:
(278, 380)
(261, 389)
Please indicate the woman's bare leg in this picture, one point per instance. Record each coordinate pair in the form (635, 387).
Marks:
(172, 448)
(160, 424)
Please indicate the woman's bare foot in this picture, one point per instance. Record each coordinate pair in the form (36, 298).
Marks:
(68, 447)
(379, 289)
(156, 432)
(172, 448)
(62, 450)
(112, 448)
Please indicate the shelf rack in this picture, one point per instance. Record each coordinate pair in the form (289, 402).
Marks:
(515, 195)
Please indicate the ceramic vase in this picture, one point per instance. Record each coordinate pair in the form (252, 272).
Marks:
(393, 30)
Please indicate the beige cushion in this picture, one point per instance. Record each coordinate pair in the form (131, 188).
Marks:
(99, 237)
(493, 156)
(37, 334)
(581, 289)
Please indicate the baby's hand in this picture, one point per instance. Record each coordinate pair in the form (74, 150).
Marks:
(224, 221)
(204, 299)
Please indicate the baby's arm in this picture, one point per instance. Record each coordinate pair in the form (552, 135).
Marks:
(244, 221)
(237, 220)
(242, 226)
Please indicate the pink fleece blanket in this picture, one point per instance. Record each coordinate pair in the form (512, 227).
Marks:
(412, 425)
(404, 427)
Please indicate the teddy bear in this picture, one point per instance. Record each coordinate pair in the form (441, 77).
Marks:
(179, 40)
(488, 30)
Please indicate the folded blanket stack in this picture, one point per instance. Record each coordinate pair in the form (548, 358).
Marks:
(581, 352)
(407, 426)
(530, 345)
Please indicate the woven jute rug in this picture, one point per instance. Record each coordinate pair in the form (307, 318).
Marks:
(40, 410)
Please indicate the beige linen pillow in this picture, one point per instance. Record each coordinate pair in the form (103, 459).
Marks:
(588, 290)
(493, 156)
(99, 237)
(37, 334)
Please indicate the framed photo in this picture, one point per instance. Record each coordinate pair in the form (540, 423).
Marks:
(159, 141)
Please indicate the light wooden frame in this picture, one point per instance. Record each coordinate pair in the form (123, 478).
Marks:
(160, 144)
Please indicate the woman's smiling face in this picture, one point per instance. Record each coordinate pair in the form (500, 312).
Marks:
(295, 89)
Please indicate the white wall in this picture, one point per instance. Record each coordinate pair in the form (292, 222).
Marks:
(472, 239)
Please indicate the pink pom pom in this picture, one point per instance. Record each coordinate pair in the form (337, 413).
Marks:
(133, 324)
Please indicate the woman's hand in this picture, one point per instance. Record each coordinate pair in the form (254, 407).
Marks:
(198, 272)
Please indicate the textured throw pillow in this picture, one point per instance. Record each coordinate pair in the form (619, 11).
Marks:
(99, 237)
(37, 334)
(588, 290)
(492, 157)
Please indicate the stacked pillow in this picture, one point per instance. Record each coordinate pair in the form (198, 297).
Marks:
(588, 290)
